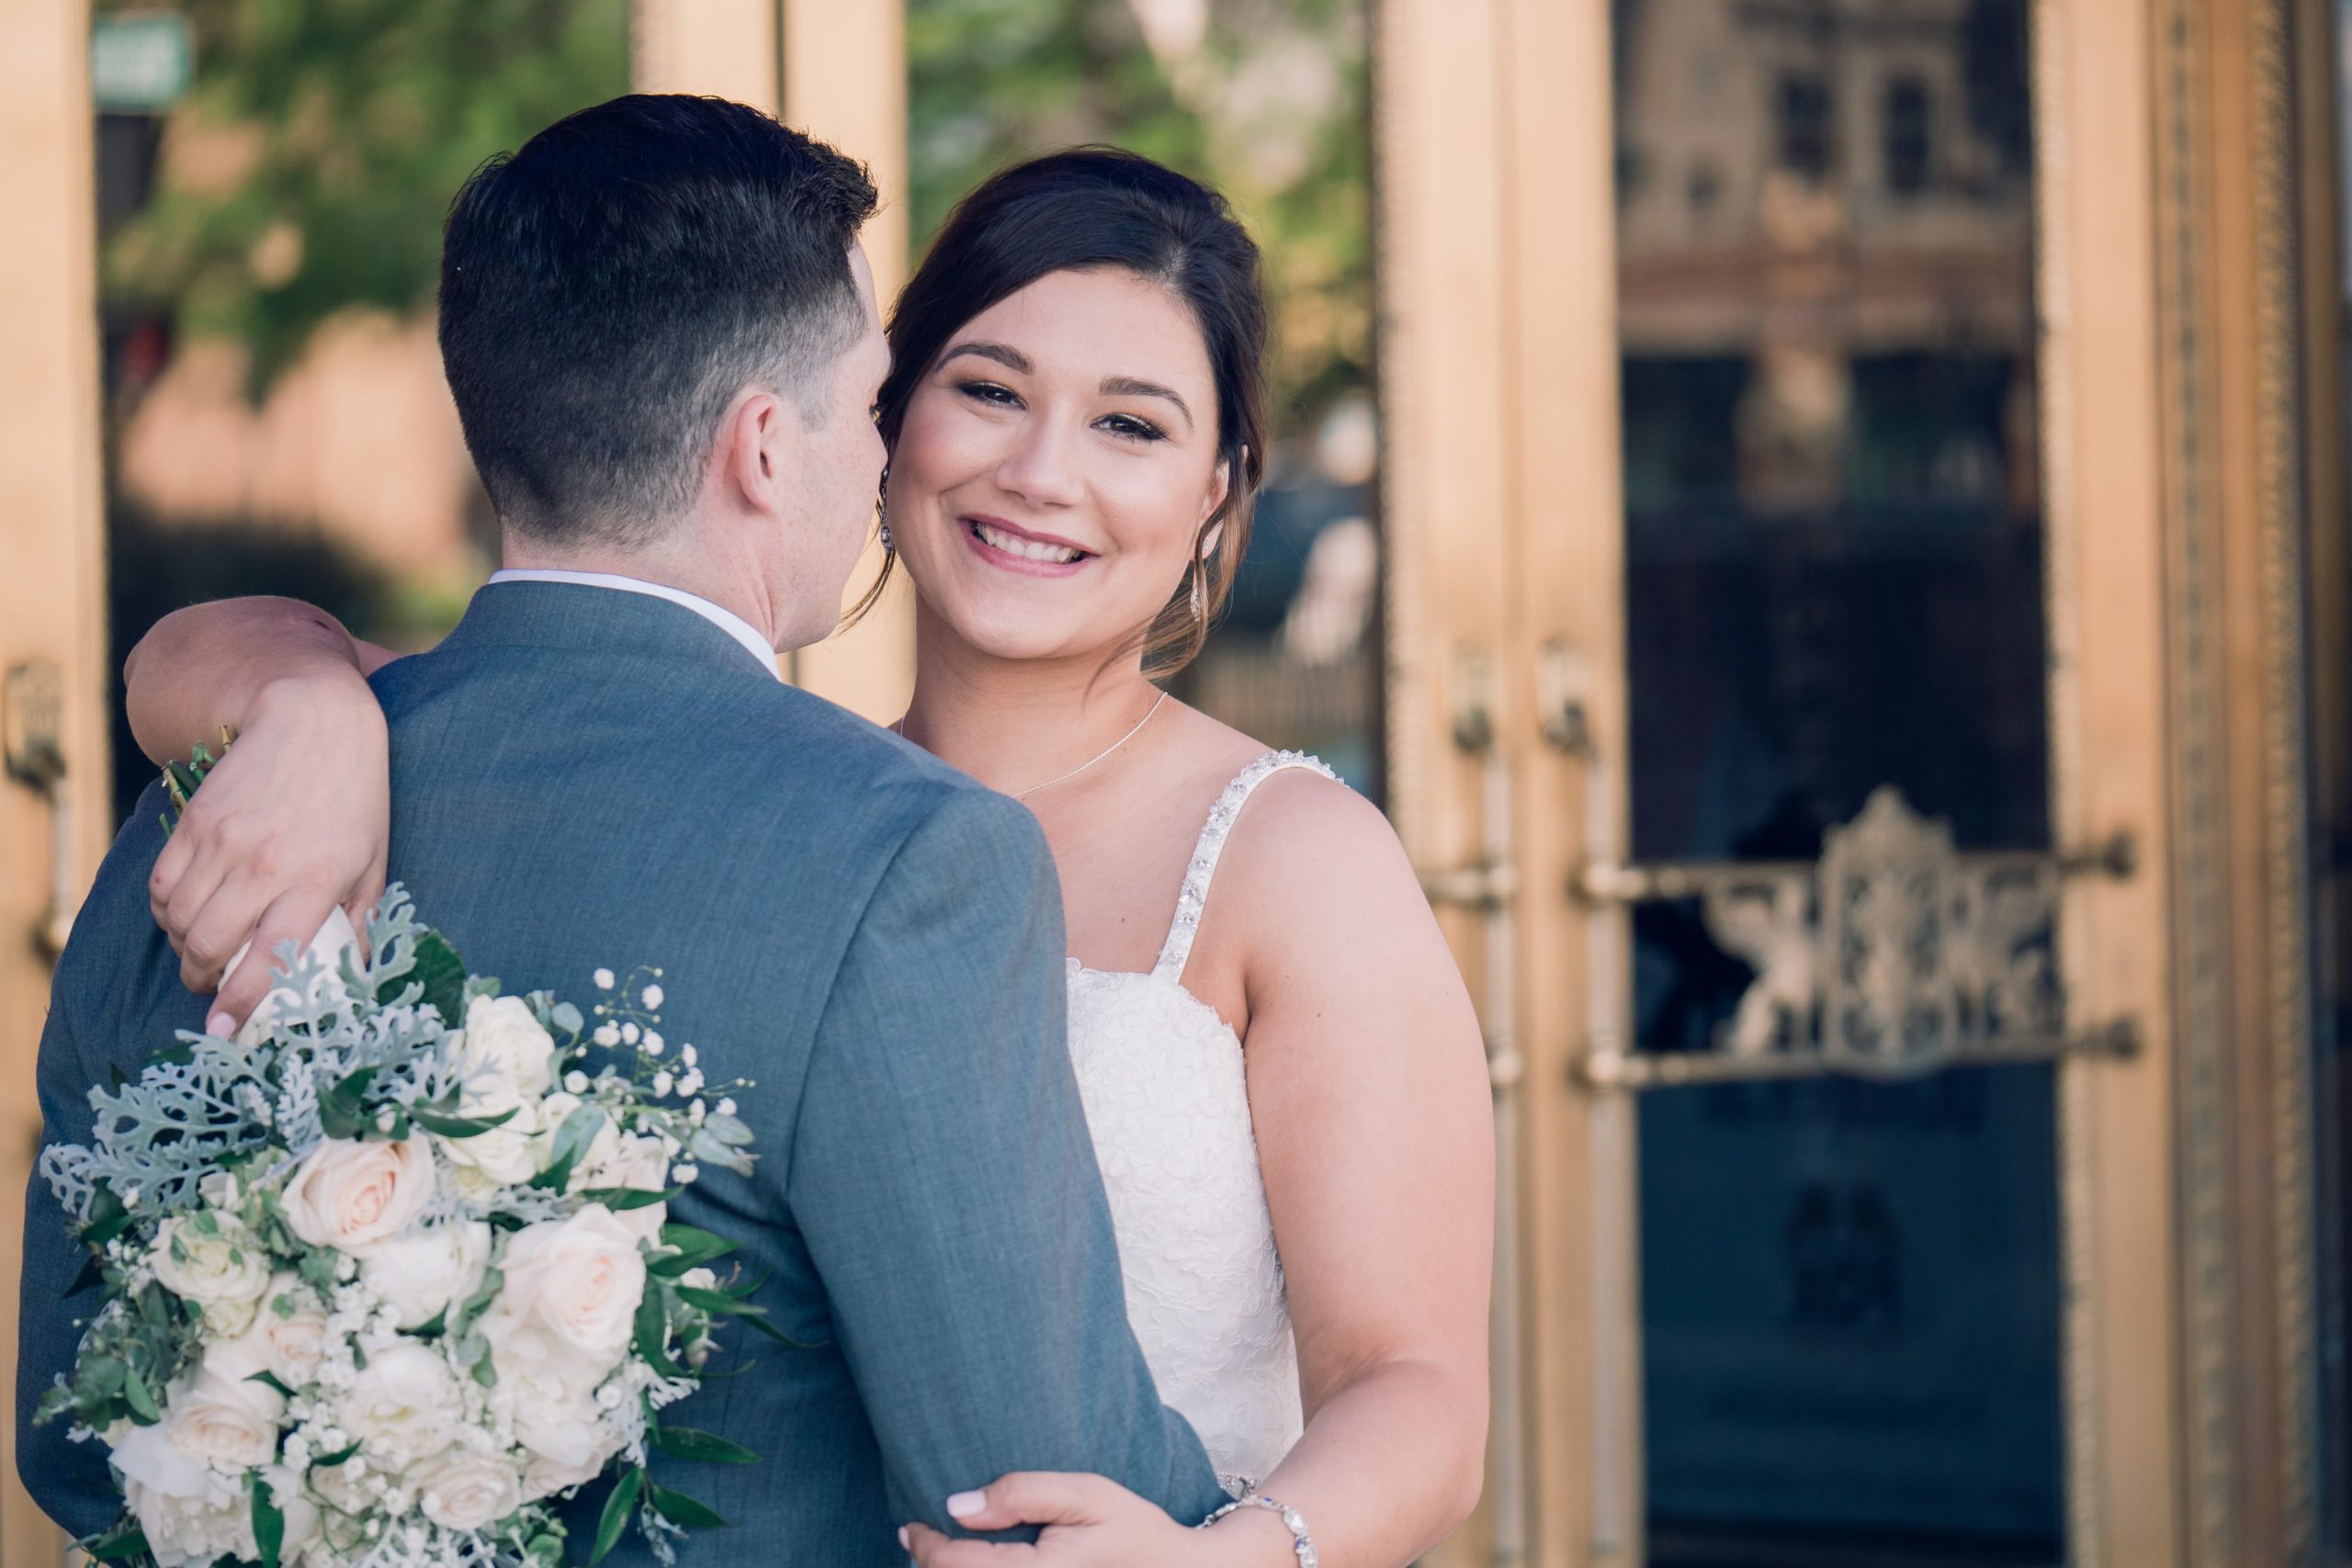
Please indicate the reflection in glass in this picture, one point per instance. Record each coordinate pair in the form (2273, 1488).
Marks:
(1833, 577)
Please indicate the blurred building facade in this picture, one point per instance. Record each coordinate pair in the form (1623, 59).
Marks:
(1834, 557)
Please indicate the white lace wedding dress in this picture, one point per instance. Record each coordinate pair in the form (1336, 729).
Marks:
(1160, 1075)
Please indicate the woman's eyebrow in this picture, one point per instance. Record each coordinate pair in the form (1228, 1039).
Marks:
(1010, 358)
(1133, 387)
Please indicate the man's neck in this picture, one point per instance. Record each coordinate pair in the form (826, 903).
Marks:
(736, 591)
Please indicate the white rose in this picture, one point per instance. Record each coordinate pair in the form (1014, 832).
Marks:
(640, 1163)
(224, 1272)
(403, 1405)
(423, 1272)
(505, 1047)
(543, 1475)
(286, 1345)
(190, 1512)
(229, 1423)
(506, 1155)
(576, 1282)
(601, 1150)
(556, 1420)
(461, 1491)
(351, 1195)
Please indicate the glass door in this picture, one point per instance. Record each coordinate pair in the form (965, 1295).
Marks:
(1844, 1000)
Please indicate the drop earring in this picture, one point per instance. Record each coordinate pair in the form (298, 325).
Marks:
(1200, 600)
(882, 510)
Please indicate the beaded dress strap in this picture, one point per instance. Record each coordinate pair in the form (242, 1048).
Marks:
(1179, 946)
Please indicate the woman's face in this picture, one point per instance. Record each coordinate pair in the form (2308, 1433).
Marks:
(1055, 467)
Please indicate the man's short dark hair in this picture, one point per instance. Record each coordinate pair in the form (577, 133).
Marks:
(607, 290)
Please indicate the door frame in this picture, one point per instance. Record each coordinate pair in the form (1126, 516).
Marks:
(1499, 395)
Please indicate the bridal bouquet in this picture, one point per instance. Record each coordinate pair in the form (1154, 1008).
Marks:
(384, 1276)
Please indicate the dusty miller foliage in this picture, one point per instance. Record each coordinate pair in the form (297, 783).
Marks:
(209, 1101)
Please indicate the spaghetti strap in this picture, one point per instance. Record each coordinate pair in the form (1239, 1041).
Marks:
(1178, 949)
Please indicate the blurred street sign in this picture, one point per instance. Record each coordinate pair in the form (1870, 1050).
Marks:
(140, 61)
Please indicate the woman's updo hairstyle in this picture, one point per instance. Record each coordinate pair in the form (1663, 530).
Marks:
(1091, 209)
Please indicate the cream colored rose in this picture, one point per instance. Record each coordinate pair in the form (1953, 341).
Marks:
(504, 1046)
(228, 1423)
(401, 1406)
(642, 1163)
(286, 1345)
(420, 1273)
(224, 1272)
(462, 1491)
(506, 1155)
(576, 1282)
(351, 1195)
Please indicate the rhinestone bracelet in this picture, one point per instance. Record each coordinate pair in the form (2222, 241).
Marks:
(1301, 1542)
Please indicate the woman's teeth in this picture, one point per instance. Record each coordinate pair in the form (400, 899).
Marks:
(1027, 549)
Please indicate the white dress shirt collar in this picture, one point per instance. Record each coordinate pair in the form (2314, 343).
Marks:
(728, 621)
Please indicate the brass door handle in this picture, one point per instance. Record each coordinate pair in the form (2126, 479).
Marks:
(32, 708)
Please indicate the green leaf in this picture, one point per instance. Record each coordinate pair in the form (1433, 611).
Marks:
(718, 1303)
(140, 1398)
(653, 1332)
(620, 1199)
(109, 1217)
(93, 1273)
(335, 1458)
(342, 1110)
(571, 1141)
(431, 1326)
(126, 1540)
(684, 1442)
(270, 1524)
(778, 1335)
(696, 1248)
(462, 1126)
(441, 972)
(271, 1381)
(679, 1508)
(567, 1018)
(615, 1515)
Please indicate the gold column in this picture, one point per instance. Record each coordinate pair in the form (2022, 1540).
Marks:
(838, 71)
(845, 80)
(1499, 404)
(52, 597)
(2102, 452)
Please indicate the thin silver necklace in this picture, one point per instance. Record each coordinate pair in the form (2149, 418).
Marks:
(1064, 778)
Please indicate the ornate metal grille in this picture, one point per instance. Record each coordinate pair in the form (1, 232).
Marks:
(1893, 954)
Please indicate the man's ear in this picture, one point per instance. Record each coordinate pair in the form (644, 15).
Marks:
(759, 451)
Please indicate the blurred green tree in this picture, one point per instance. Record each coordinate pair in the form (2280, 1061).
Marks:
(310, 164)
(1265, 99)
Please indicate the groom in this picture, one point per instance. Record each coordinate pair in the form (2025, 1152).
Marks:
(661, 336)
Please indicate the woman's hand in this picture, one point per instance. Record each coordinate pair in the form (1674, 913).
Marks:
(294, 820)
(1090, 1522)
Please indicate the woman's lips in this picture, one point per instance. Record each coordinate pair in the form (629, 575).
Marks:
(1021, 552)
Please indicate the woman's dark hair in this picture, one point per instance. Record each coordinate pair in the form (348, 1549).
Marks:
(1092, 208)
(608, 290)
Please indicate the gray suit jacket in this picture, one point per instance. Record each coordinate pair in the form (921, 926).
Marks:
(586, 778)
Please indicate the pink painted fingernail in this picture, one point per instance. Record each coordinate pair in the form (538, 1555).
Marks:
(902, 1540)
(963, 1505)
(221, 1024)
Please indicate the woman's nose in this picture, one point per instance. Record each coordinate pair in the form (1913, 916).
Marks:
(1042, 467)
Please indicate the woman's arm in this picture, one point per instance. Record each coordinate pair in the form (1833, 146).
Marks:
(295, 819)
(1369, 1094)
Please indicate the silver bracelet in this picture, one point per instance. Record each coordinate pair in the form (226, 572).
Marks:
(1301, 1542)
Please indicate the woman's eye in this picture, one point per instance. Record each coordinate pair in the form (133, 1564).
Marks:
(989, 393)
(1133, 428)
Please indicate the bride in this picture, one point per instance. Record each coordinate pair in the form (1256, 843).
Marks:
(1279, 1064)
